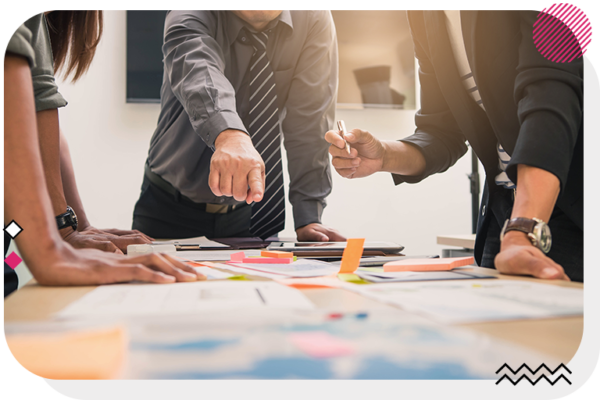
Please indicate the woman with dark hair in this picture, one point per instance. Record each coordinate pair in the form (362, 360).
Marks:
(38, 175)
(74, 37)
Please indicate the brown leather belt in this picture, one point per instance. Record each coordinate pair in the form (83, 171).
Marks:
(165, 186)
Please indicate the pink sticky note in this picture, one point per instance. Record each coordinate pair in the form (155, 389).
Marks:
(266, 260)
(238, 257)
(321, 344)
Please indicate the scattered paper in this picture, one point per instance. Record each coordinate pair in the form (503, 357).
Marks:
(299, 269)
(212, 273)
(411, 276)
(213, 255)
(465, 302)
(309, 283)
(185, 297)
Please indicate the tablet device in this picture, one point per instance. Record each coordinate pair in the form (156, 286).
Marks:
(334, 248)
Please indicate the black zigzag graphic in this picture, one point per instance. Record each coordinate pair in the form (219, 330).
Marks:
(533, 383)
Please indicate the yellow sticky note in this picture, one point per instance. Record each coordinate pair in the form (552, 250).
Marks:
(351, 257)
(352, 278)
(94, 354)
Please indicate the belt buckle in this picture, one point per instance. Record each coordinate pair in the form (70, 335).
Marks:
(217, 208)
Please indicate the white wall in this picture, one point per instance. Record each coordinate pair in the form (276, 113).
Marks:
(109, 141)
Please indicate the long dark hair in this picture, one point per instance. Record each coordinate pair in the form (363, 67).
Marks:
(74, 36)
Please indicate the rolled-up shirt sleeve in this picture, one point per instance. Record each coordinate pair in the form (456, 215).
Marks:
(32, 41)
(549, 96)
(310, 110)
(194, 64)
(438, 136)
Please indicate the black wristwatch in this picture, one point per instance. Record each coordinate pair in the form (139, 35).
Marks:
(67, 219)
(537, 231)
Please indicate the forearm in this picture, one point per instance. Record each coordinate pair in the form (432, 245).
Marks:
(402, 158)
(26, 198)
(536, 194)
(537, 191)
(49, 144)
(70, 185)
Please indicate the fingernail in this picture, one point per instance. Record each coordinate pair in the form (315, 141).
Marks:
(167, 278)
(548, 272)
(189, 275)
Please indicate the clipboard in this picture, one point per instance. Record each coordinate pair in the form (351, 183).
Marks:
(310, 249)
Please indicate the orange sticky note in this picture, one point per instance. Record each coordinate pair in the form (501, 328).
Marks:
(427, 264)
(277, 254)
(94, 354)
(351, 257)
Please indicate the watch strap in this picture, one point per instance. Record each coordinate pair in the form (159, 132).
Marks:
(66, 219)
(525, 225)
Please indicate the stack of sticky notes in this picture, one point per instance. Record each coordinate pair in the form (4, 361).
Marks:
(427, 264)
(266, 257)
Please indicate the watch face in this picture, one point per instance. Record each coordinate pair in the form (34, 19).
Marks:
(544, 235)
(73, 217)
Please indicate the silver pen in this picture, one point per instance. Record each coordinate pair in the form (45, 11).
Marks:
(342, 128)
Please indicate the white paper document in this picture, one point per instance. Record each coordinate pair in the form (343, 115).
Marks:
(408, 276)
(212, 273)
(213, 255)
(184, 298)
(302, 268)
(468, 301)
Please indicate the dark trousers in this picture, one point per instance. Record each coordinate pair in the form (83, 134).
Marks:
(164, 216)
(11, 281)
(567, 238)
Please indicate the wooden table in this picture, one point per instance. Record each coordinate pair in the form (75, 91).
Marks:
(556, 337)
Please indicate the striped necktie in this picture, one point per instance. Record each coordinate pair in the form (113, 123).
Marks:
(268, 216)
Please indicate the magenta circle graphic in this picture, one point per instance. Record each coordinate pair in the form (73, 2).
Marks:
(562, 33)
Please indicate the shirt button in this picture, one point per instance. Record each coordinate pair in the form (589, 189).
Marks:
(243, 38)
(483, 210)
(221, 200)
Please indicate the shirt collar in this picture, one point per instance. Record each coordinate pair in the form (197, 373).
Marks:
(235, 23)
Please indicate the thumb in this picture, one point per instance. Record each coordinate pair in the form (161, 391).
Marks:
(358, 136)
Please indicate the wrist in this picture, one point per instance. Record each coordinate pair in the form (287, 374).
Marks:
(402, 158)
(230, 134)
(45, 254)
(535, 230)
(518, 238)
(387, 158)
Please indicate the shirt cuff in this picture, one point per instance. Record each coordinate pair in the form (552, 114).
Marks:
(308, 212)
(211, 128)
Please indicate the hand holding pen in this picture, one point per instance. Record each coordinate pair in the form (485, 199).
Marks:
(355, 153)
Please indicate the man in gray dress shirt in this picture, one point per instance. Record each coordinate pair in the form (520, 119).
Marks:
(204, 174)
